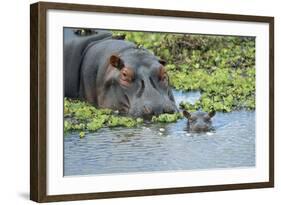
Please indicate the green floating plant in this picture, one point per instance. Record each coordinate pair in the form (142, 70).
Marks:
(221, 67)
(82, 116)
(167, 118)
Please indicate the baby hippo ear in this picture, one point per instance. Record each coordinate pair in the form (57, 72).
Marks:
(212, 113)
(116, 62)
(186, 114)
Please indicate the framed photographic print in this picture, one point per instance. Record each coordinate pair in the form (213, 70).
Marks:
(133, 102)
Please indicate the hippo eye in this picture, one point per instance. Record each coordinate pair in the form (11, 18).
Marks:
(126, 76)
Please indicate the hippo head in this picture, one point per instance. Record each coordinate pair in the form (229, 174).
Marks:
(137, 84)
(199, 121)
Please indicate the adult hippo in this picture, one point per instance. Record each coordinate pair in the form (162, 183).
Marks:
(116, 74)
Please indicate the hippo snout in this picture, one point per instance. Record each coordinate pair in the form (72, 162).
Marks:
(149, 111)
(199, 127)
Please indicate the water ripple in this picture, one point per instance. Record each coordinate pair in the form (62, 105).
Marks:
(143, 149)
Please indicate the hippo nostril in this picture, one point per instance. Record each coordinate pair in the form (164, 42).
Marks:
(152, 83)
(141, 89)
(127, 100)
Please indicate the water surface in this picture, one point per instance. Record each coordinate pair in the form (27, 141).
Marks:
(164, 147)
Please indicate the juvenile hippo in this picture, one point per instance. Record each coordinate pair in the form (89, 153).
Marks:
(116, 74)
(199, 121)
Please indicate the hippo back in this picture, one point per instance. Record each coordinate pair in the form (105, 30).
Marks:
(74, 50)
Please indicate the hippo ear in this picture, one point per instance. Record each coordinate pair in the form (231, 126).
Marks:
(212, 113)
(163, 62)
(186, 114)
(116, 62)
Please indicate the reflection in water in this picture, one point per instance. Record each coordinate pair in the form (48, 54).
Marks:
(164, 147)
(190, 97)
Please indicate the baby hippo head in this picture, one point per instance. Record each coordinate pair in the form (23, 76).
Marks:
(199, 121)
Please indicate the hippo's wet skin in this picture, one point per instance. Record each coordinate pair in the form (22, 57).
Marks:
(199, 121)
(115, 74)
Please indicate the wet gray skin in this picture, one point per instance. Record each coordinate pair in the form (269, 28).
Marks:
(116, 74)
(199, 121)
